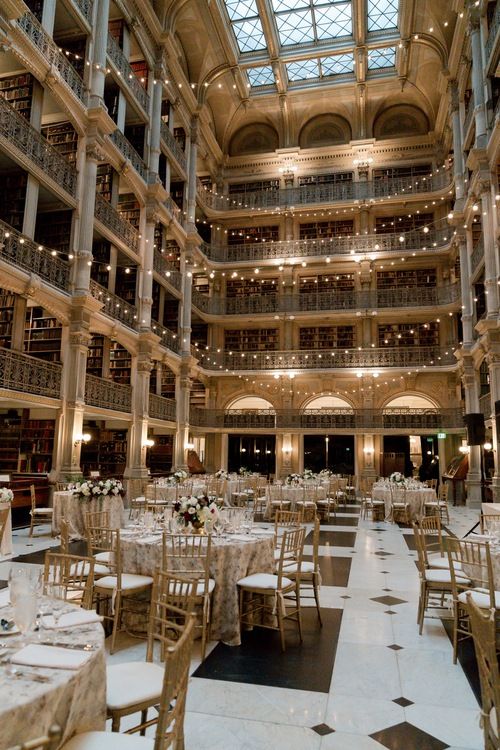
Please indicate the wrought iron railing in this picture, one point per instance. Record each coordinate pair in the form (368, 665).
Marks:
(52, 54)
(19, 133)
(485, 405)
(174, 209)
(20, 372)
(85, 7)
(128, 152)
(114, 306)
(325, 193)
(477, 254)
(494, 26)
(326, 359)
(173, 146)
(163, 267)
(22, 252)
(106, 394)
(335, 418)
(110, 217)
(161, 408)
(123, 68)
(169, 339)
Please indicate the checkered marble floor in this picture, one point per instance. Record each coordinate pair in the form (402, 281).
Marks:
(366, 680)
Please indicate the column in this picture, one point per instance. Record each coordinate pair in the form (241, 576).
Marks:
(477, 78)
(466, 292)
(182, 392)
(33, 186)
(84, 254)
(490, 250)
(193, 158)
(146, 283)
(458, 155)
(367, 459)
(99, 54)
(471, 387)
(493, 359)
(136, 472)
(185, 313)
(154, 146)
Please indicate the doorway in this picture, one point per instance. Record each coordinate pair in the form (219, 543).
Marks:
(334, 452)
(255, 452)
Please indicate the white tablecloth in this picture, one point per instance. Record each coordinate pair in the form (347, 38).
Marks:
(73, 508)
(73, 699)
(415, 497)
(6, 544)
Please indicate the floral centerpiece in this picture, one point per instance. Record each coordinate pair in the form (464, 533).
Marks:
(196, 510)
(100, 488)
(308, 474)
(6, 495)
(244, 472)
(221, 474)
(294, 479)
(325, 473)
(179, 476)
(397, 478)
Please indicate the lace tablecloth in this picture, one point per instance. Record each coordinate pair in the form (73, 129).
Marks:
(415, 497)
(232, 557)
(6, 540)
(73, 508)
(73, 699)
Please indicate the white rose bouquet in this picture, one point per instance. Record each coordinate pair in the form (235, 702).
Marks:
(196, 510)
(294, 479)
(180, 476)
(221, 474)
(6, 495)
(397, 478)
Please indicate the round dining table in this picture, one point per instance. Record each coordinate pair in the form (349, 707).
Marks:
(416, 497)
(232, 556)
(35, 697)
(72, 507)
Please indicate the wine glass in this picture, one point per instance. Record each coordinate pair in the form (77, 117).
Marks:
(25, 611)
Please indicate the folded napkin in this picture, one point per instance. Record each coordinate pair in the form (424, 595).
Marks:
(241, 537)
(263, 531)
(51, 657)
(4, 597)
(72, 619)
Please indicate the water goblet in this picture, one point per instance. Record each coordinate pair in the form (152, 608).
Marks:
(25, 611)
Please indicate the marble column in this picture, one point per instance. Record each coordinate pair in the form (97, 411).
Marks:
(471, 388)
(477, 78)
(493, 359)
(466, 292)
(458, 155)
(84, 253)
(99, 54)
(135, 471)
(193, 158)
(490, 252)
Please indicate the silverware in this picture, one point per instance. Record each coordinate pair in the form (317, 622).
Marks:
(72, 646)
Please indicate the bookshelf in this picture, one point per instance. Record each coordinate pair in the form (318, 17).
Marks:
(106, 452)
(135, 135)
(253, 187)
(125, 284)
(78, 48)
(321, 229)
(327, 337)
(53, 229)
(42, 334)
(333, 178)
(14, 196)
(406, 278)
(249, 235)
(101, 254)
(18, 91)
(415, 170)
(246, 287)
(408, 334)
(336, 282)
(404, 223)
(130, 209)
(251, 339)
(111, 100)
(6, 318)
(199, 333)
(36, 7)
(120, 364)
(159, 457)
(104, 181)
(180, 137)
(167, 383)
(26, 445)
(177, 193)
(115, 28)
(64, 138)
(95, 356)
(141, 72)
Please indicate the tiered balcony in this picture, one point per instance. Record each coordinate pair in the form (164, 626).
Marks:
(24, 142)
(328, 419)
(86, 8)
(169, 339)
(129, 153)
(167, 270)
(485, 405)
(105, 394)
(306, 195)
(493, 37)
(115, 307)
(25, 374)
(52, 55)
(161, 408)
(313, 359)
(173, 209)
(123, 70)
(477, 255)
(22, 252)
(112, 221)
(172, 145)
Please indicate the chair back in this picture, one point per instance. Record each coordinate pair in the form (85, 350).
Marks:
(443, 492)
(173, 599)
(288, 518)
(33, 496)
(398, 493)
(102, 539)
(473, 560)
(97, 518)
(490, 522)
(4, 517)
(170, 727)
(422, 562)
(73, 576)
(188, 555)
(275, 492)
(49, 741)
(431, 525)
(291, 548)
(64, 533)
(316, 532)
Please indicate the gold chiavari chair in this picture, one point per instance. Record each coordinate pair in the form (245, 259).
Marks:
(69, 577)
(98, 518)
(188, 555)
(483, 627)
(39, 515)
(276, 501)
(489, 522)
(117, 588)
(309, 574)
(257, 589)
(170, 722)
(324, 507)
(49, 741)
(368, 503)
(4, 517)
(400, 507)
(440, 504)
(436, 554)
(307, 503)
(471, 572)
(133, 687)
(432, 483)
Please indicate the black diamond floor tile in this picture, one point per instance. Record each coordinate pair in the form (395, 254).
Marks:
(389, 601)
(383, 552)
(395, 647)
(403, 702)
(260, 661)
(466, 659)
(322, 729)
(405, 735)
(334, 570)
(334, 538)
(389, 612)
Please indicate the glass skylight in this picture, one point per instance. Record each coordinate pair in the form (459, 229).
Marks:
(247, 27)
(263, 76)
(322, 68)
(382, 15)
(384, 57)
(303, 21)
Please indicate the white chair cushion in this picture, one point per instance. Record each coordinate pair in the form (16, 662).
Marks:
(493, 721)
(308, 503)
(129, 581)
(108, 741)
(132, 683)
(399, 505)
(99, 570)
(378, 502)
(480, 597)
(443, 576)
(307, 568)
(266, 581)
(200, 589)
(103, 557)
(323, 502)
(42, 511)
(280, 502)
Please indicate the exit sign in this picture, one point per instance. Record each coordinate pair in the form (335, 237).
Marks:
(441, 435)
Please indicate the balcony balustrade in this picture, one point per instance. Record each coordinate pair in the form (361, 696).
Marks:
(173, 146)
(174, 209)
(485, 405)
(161, 408)
(22, 252)
(477, 254)
(114, 306)
(313, 359)
(493, 33)
(31, 27)
(169, 339)
(106, 394)
(110, 217)
(319, 248)
(325, 193)
(167, 270)
(17, 132)
(129, 153)
(125, 72)
(86, 8)
(335, 418)
(25, 374)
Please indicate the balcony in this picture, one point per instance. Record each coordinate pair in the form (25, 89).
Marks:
(105, 394)
(25, 374)
(52, 55)
(347, 192)
(167, 270)
(434, 239)
(374, 299)
(16, 132)
(169, 339)
(172, 145)
(86, 8)
(129, 153)
(492, 36)
(115, 307)
(126, 74)
(485, 405)
(173, 208)
(313, 359)
(111, 220)
(22, 252)
(329, 419)
(161, 408)
(477, 255)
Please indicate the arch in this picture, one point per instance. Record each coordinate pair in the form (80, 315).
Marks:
(411, 401)
(327, 402)
(250, 403)
(400, 120)
(255, 138)
(325, 130)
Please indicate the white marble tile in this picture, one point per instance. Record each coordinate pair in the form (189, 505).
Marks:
(343, 741)
(451, 725)
(430, 677)
(361, 715)
(366, 627)
(366, 671)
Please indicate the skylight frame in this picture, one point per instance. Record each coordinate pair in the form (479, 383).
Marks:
(312, 22)
(320, 68)
(382, 15)
(384, 57)
(246, 25)
(269, 76)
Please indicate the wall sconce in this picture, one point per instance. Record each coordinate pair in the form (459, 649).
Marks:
(82, 439)
(369, 451)
(464, 449)
(189, 446)
(487, 446)
(286, 451)
(148, 443)
(288, 170)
